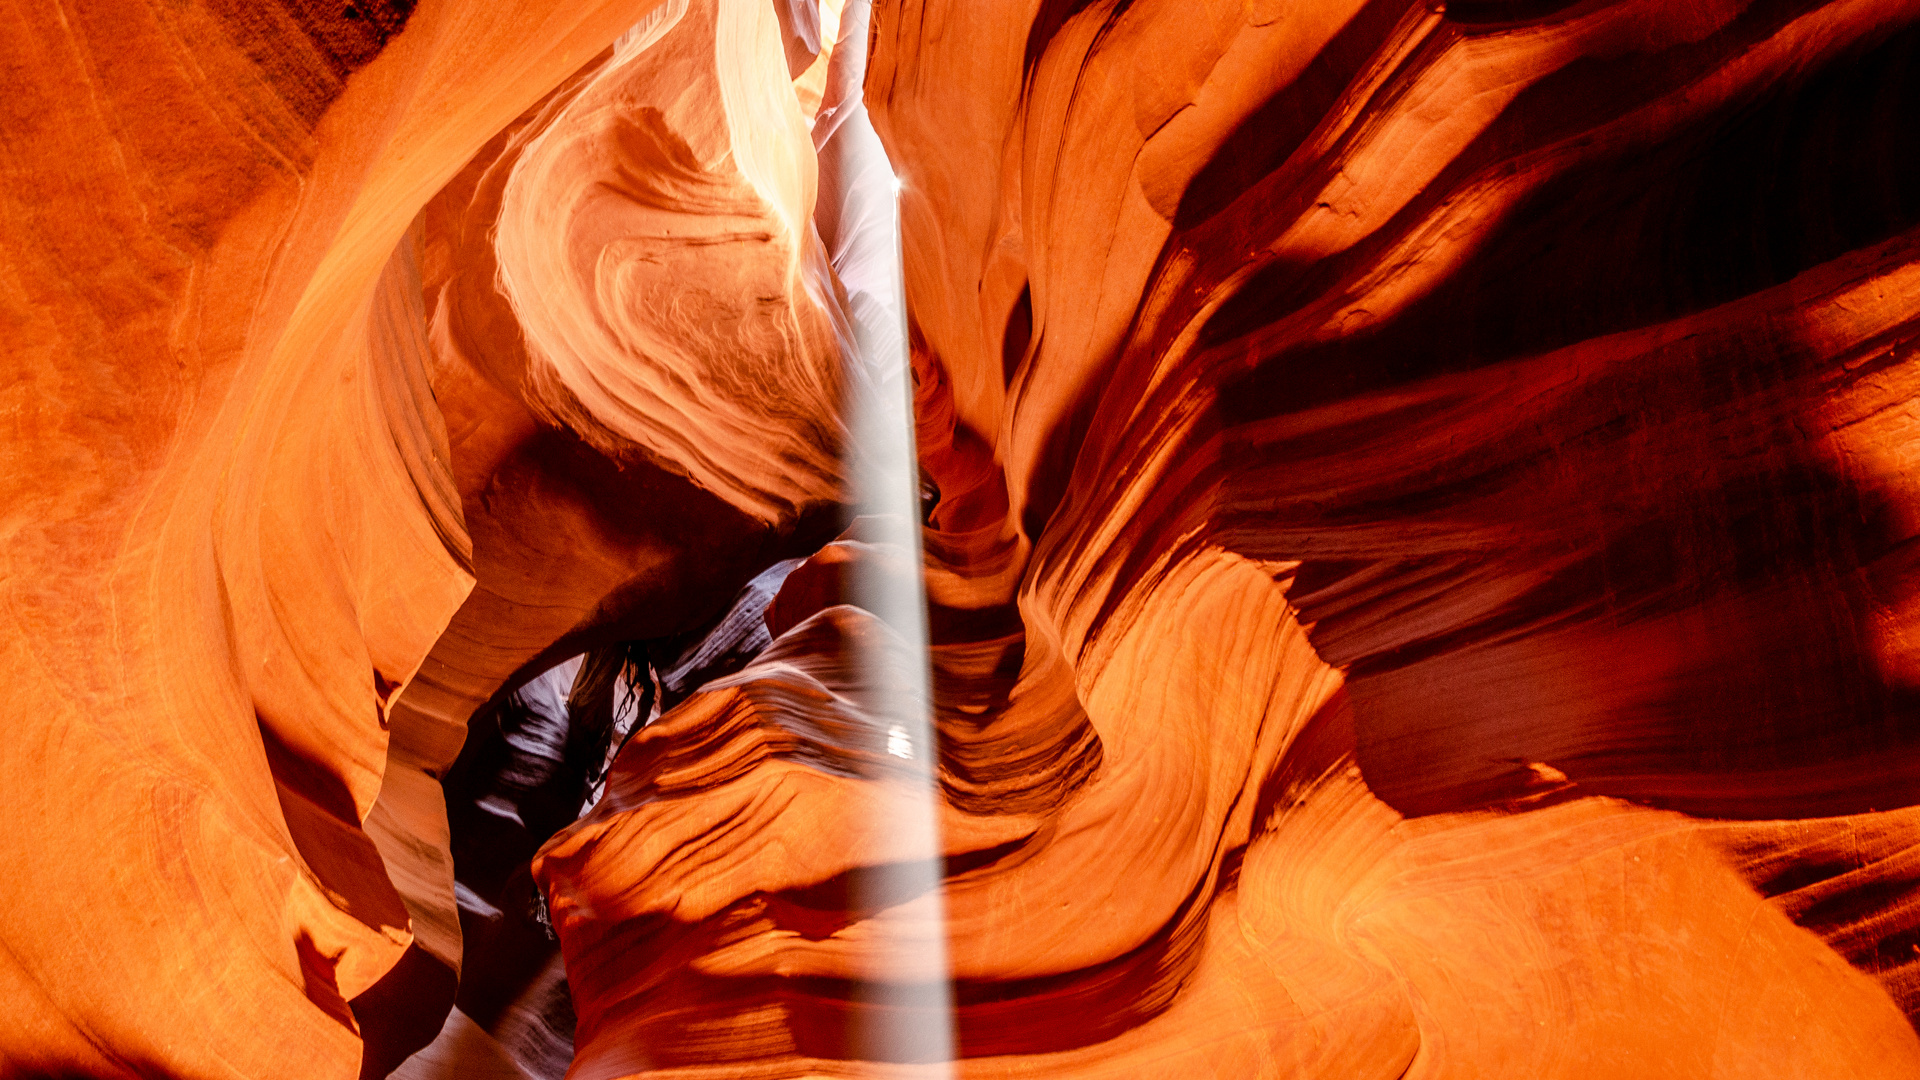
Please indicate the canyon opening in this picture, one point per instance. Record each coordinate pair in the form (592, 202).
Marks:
(922, 539)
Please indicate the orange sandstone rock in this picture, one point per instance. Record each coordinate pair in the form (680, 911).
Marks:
(1418, 544)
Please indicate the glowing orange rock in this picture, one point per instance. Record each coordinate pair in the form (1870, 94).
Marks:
(230, 538)
(1308, 350)
(1420, 556)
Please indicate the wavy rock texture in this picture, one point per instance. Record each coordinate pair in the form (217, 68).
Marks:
(230, 541)
(1410, 481)
(628, 265)
(1418, 545)
(236, 525)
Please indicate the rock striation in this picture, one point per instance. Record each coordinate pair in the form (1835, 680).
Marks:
(1418, 538)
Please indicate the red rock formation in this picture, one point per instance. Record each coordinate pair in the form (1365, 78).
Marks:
(1258, 316)
(1418, 546)
(232, 539)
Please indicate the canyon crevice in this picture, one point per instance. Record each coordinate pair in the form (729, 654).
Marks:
(1414, 571)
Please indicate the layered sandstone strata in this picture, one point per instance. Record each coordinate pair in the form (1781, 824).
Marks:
(1418, 536)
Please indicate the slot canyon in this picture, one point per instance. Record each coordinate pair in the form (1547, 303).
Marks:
(937, 539)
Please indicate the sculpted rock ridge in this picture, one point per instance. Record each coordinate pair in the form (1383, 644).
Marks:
(1415, 572)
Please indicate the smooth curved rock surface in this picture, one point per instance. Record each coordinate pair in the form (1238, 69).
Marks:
(1419, 531)
(229, 539)
(1253, 369)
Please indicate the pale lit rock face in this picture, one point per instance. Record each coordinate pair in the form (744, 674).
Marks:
(654, 239)
(1419, 544)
